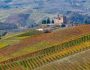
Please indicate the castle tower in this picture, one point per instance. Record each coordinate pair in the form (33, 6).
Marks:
(59, 20)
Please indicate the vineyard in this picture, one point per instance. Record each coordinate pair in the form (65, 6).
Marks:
(50, 54)
(16, 37)
(80, 61)
(45, 53)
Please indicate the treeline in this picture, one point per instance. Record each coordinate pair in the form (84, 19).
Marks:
(47, 21)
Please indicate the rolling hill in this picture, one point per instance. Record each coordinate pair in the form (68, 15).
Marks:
(10, 9)
(40, 49)
(78, 5)
(75, 62)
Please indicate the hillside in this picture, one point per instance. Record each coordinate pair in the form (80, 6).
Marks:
(10, 10)
(40, 49)
(75, 62)
(78, 5)
(14, 38)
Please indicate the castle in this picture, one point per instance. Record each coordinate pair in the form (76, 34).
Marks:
(59, 20)
(55, 21)
(48, 24)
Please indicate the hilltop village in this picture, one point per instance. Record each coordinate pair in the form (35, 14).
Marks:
(48, 24)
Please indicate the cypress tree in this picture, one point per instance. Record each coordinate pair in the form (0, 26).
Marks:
(53, 21)
(48, 21)
(43, 21)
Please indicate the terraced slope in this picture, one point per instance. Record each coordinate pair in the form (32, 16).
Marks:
(49, 55)
(38, 42)
(38, 50)
(79, 61)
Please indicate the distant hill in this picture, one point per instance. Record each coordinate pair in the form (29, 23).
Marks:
(18, 19)
(75, 17)
(7, 26)
(38, 9)
(78, 5)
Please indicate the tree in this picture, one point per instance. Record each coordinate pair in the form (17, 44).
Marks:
(2, 34)
(63, 25)
(53, 21)
(43, 21)
(87, 21)
(48, 21)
